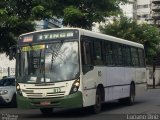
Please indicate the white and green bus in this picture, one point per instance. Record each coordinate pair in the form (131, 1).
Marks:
(75, 68)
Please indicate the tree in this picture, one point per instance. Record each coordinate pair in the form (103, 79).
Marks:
(146, 34)
(17, 16)
(82, 13)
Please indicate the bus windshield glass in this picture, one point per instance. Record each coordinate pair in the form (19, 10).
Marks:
(51, 62)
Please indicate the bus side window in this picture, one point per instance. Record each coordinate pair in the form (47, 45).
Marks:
(117, 54)
(141, 57)
(98, 53)
(134, 53)
(126, 56)
(108, 53)
(86, 53)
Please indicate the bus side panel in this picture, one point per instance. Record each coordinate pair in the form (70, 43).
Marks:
(89, 87)
(116, 85)
(141, 84)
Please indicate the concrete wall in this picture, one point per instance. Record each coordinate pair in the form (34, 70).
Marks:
(5, 63)
(150, 76)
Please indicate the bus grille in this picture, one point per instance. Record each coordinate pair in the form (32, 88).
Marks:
(31, 94)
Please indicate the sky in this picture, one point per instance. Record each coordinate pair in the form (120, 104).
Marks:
(127, 10)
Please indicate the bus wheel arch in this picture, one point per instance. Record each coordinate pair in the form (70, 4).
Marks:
(132, 93)
(100, 87)
(99, 98)
(131, 98)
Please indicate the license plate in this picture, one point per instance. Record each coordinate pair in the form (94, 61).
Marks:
(45, 103)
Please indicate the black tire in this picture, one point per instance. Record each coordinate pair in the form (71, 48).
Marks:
(98, 103)
(131, 99)
(46, 111)
(13, 102)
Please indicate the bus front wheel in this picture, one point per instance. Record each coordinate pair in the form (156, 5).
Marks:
(98, 103)
(46, 111)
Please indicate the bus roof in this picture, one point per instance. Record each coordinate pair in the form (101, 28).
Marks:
(95, 35)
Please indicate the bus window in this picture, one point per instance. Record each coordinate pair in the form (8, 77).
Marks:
(86, 53)
(134, 54)
(126, 56)
(108, 53)
(98, 53)
(141, 57)
(117, 54)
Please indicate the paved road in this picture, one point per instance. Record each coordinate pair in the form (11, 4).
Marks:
(146, 104)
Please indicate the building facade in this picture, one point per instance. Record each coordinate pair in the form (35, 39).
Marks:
(156, 11)
(142, 11)
(7, 67)
(147, 11)
(48, 23)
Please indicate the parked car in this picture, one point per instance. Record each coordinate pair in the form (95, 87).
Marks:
(8, 91)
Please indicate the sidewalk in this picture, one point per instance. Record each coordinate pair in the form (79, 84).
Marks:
(151, 87)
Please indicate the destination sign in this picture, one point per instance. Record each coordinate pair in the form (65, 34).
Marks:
(49, 36)
(28, 39)
(55, 35)
(34, 47)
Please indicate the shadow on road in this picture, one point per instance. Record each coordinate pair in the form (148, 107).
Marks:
(7, 106)
(77, 113)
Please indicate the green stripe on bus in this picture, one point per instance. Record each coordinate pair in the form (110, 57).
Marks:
(71, 101)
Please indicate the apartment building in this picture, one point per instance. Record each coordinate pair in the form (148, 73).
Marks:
(142, 11)
(146, 11)
(156, 11)
(51, 23)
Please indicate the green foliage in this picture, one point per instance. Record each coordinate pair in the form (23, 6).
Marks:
(128, 29)
(82, 13)
(17, 16)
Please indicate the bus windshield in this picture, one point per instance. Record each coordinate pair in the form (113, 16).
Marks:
(51, 62)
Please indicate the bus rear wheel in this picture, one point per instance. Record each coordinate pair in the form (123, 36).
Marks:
(131, 99)
(46, 111)
(98, 103)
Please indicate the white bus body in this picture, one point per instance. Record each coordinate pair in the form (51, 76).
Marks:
(104, 73)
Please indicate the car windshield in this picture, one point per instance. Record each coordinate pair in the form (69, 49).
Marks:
(48, 62)
(7, 82)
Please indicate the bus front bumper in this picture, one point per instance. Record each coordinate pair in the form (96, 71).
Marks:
(70, 101)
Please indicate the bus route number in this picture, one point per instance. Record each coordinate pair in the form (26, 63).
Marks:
(56, 90)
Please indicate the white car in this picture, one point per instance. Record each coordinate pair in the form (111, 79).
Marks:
(8, 91)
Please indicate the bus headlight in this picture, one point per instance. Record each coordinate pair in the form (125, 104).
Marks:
(19, 92)
(75, 86)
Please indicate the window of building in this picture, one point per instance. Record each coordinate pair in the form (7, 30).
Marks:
(142, 6)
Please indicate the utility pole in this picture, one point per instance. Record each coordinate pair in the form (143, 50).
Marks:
(154, 67)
